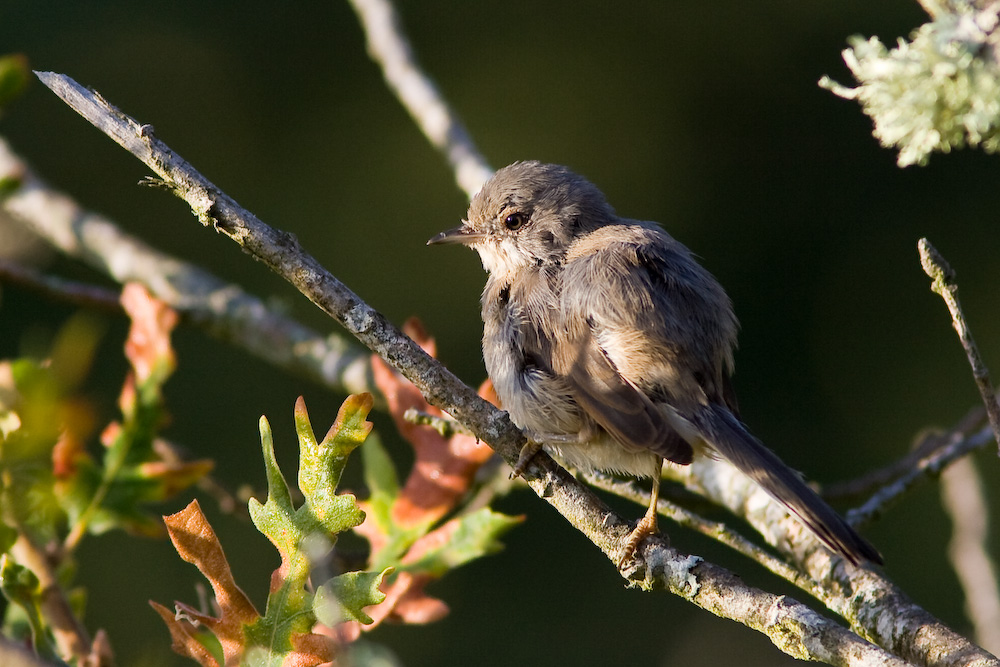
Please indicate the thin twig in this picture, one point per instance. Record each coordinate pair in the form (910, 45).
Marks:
(929, 445)
(930, 466)
(389, 47)
(861, 595)
(794, 628)
(963, 499)
(716, 530)
(944, 284)
(58, 289)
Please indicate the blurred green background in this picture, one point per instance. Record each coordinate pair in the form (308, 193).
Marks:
(703, 116)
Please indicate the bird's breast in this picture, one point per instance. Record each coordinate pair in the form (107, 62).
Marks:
(516, 351)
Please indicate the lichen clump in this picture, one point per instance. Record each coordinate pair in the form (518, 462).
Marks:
(940, 90)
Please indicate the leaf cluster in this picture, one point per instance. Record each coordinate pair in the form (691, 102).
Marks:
(54, 489)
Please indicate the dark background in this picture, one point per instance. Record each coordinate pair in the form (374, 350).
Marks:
(705, 117)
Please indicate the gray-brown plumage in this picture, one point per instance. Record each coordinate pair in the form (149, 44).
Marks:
(611, 346)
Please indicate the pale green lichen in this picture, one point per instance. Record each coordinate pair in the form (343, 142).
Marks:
(939, 91)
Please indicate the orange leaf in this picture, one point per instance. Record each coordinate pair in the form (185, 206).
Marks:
(414, 606)
(444, 467)
(148, 341)
(405, 599)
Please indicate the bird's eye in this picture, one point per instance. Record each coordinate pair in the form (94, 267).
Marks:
(515, 221)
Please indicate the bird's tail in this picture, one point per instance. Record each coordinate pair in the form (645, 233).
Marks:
(733, 442)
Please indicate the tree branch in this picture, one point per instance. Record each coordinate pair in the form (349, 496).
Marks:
(957, 446)
(794, 628)
(714, 529)
(861, 595)
(57, 289)
(919, 636)
(388, 46)
(929, 445)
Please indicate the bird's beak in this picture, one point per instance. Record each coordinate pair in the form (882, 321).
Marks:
(462, 234)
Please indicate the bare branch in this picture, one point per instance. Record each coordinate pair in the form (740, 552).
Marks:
(861, 595)
(444, 426)
(962, 497)
(225, 310)
(930, 466)
(713, 529)
(793, 627)
(388, 46)
(944, 284)
(384, 38)
(57, 289)
(930, 445)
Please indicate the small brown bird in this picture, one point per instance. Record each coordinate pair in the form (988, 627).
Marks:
(611, 347)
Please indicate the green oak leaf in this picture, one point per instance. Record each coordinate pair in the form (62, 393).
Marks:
(470, 536)
(344, 597)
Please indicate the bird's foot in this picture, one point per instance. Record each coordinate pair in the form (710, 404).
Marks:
(645, 528)
(524, 458)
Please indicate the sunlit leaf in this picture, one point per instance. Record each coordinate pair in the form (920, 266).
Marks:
(459, 541)
(344, 598)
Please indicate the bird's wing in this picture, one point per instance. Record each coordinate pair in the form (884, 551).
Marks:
(645, 336)
(613, 402)
(662, 320)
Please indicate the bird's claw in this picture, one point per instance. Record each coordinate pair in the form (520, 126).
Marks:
(524, 458)
(642, 530)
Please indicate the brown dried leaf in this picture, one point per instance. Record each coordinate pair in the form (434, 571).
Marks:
(310, 649)
(444, 468)
(182, 633)
(196, 543)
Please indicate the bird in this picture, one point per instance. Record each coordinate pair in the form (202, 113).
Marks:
(612, 348)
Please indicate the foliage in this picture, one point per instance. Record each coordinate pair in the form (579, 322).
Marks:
(413, 544)
(409, 525)
(14, 76)
(53, 491)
